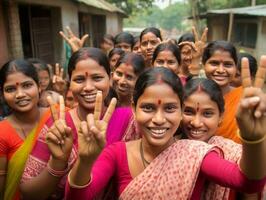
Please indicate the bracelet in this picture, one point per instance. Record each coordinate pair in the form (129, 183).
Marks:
(3, 172)
(72, 185)
(56, 173)
(250, 141)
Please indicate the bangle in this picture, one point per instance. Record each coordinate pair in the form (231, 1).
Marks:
(72, 185)
(56, 173)
(2, 172)
(250, 141)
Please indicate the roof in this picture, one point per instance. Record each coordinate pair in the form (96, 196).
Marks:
(104, 5)
(251, 10)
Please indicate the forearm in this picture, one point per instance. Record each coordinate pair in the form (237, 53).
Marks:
(42, 186)
(253, 161)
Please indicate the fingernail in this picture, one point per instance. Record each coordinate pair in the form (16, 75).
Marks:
(257, 114)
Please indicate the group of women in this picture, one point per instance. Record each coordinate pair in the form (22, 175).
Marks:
(146, 124)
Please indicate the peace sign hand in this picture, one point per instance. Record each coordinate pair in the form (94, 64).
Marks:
(59, 137)
(251, 112)
(92, 133)
(74, 42)
(59, 84)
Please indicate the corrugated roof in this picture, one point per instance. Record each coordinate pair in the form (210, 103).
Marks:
(251, 10)
(101, 4)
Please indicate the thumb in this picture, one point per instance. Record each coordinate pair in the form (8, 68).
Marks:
(83, 39)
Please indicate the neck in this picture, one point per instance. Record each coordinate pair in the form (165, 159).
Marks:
(27, 117)
(83, 112)
(151, 152)
(184, 71)
(124, 101)
(148, 63)
(226, 89)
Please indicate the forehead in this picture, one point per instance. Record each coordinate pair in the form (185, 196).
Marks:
(149, 36)
(186, 48)
(166, 54)
(154, 93)
(88, 66)
(126, 68)
(123, 44)
(221, 55)
(17, 77)
(200, 99)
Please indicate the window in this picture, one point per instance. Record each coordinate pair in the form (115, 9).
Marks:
(245, 34)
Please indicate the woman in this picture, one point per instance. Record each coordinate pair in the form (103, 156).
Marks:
(149, 39)
(203, 108)
(220, 60)
(154, 166)
(124, 41)
(127, 70)
(113, 57)
(20, 88)
(167, 55)
(136, 47)
(107, 43)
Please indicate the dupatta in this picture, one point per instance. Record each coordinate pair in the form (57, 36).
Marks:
(17, 162)
(171, 175)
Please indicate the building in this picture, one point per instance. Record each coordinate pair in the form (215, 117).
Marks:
(245, 27)
(29, 28)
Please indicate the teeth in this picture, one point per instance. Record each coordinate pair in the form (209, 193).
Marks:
(158, 131)
(23, 102)
(196, 132)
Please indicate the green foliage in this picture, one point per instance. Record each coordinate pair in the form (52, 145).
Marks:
(131, 6)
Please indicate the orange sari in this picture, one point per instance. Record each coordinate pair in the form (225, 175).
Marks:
(228, 128)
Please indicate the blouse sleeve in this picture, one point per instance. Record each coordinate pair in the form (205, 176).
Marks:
(102, 171)
(228, 174)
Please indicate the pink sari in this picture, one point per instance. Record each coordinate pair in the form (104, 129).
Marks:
(172, 175)
(40, 156)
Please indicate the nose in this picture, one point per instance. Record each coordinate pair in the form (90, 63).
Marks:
(159, 118)
(196, 121)
(220, 68)
(122, 80)
(20, 93)
(89, 86)
(150, 46)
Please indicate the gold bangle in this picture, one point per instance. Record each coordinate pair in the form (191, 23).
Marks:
(72, 185)
(250, 141)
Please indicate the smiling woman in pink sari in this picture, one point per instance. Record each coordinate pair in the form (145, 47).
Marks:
(158, 166)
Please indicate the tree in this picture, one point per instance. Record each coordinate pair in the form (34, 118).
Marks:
(130, 6)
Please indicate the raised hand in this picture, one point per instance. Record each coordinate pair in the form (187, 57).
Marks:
(251, 114)
(59, 84)
(92, 133)
(74, 42)
(59, 137)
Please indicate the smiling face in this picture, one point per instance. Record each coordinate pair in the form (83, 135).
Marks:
(201, 116)
(221, 68)
(149, 41)
(124, 46)
(87, 78)
(186, 55)
(158, 114)
(124, 80)
(166, 59)
(20, 92)
(136, 48)
(44, 79)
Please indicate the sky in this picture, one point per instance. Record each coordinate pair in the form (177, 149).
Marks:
(164, 3)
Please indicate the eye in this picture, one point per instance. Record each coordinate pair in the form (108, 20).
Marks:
(154, 42)
(171, 62)
(144, 44)
(188, 111)
(118, 73)
(170, 108)
(79, 79)
(148, 107)
(97, 78)
(228, 64)
(10, 89)
(160, 62)
(208, 113)
(27, 85)
(130, 78)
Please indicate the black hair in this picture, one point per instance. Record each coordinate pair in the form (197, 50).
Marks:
(39, 64)
(124, 37)
(136, 40)
(252, 63)
(219, 45)
(153, 30)
(186, 37)
(154, 75)
(115, 51)
(207, 85)
(85, 53)
(18, 65)
(136, 61)
(168, 46)
(108, 37)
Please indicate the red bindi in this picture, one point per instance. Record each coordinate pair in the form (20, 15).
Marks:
(86, 74)
(159, 101)
(197, 107)
(17, 83)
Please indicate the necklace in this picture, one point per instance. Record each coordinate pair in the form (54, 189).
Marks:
(144, 161)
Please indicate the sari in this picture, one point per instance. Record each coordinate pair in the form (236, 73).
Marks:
(171, 175)
(231, 152)
(18, 160)
(228, 128)
(40, 155)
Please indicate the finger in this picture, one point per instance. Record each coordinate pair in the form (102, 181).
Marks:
(50, 67)
(62, 112)
(93, 130)
(61, 73)
(98, 105)
(195, 33)
(83, 39)
(261, 108)
(84, 129)
(110, 110)
(51, 138)
(59, 131)
(260, 75)
(57, 69)
(69, 31)
(52, 108)
(185, 43)
(204, 35)
(250, 102)
(54, 79)
(245, 73)
(64, 36)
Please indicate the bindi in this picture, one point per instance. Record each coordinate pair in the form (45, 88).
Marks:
(197, 107)
(86, 74)
(17, 84)
(159, 101)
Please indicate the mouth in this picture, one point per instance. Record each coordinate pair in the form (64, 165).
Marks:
(220, 78)
(195, 133)
(89, 98)
(158, 132)
(23, 102)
